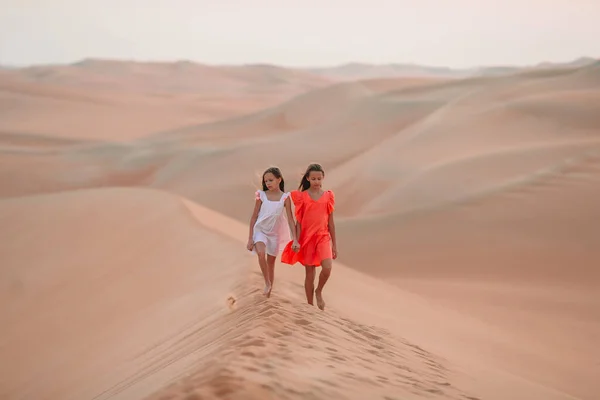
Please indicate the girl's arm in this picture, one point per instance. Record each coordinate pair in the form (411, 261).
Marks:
(331, 225)
(298, 229)
(290, 218)
(253, 219)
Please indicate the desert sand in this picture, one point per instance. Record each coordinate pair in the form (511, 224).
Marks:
(467, 210)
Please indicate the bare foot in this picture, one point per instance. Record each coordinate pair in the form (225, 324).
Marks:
(320, 301)
(267, 290)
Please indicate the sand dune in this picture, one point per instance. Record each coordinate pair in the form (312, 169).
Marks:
(358, 71)
(465, 216)
(156, 305)
(115, 100)
(190, 321)
(91, 306)
(180, 77)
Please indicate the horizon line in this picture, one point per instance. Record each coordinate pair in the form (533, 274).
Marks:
(259, 63)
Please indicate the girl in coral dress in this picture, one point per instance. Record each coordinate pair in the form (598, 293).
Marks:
(269, 227)
(315, 230)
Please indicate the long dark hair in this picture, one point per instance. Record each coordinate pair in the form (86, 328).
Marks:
(277, 174)
(304, 183)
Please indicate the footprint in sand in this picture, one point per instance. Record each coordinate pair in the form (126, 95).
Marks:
(254, 343)
(362, 358)
(302, 322)
(231, 302)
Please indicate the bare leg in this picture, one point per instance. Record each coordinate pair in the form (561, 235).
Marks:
(323, 277)
(309, 284)
(262, 262)
(271, 269)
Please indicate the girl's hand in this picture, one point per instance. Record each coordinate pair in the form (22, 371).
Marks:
(295, 246)
(250, 245)
(335, 252)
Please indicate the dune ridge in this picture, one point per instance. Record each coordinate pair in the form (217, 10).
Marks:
(232, 323)
(285, 350)
(89, 348)
(123, 101)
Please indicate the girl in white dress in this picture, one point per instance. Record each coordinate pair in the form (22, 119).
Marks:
(270, 229)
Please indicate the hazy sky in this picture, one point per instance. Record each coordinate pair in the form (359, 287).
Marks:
(455, 33)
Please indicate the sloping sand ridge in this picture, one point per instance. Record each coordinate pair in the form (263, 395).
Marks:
(154, 303)
(465, 217)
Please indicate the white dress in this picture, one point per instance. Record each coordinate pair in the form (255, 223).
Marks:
(271, 226)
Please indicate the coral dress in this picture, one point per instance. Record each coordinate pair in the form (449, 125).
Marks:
(315, 240)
